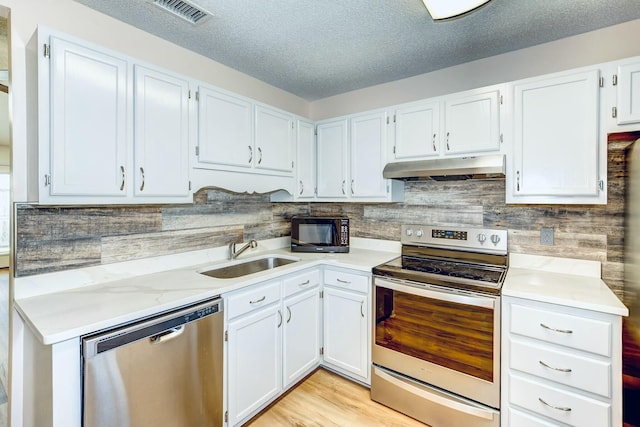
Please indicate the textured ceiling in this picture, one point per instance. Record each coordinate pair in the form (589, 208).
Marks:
(320, 48)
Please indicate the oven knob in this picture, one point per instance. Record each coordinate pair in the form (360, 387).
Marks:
(495, 239)
(409, 232)
(482, 238)
(419, 233)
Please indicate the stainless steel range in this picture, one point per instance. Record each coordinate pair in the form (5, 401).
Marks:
(436, 332)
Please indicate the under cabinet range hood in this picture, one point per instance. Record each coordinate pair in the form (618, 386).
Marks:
(476, 167)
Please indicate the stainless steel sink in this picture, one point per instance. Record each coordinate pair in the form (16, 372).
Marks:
(248, 267)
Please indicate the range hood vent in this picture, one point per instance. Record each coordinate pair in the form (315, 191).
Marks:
(448, 169)
(183, 9)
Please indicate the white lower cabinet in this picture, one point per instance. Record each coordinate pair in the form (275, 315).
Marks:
(301, 341)
(561, 366)
(346, 323)
(273, 340)
(254, 351)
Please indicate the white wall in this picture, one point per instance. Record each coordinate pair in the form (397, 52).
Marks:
(78, 20)
(608, 44)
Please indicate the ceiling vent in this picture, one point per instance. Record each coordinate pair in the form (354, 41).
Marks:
(183, 9)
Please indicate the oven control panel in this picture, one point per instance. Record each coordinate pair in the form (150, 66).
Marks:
(448, 234)
(460, 238)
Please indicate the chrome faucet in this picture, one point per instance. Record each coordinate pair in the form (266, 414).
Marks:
(232, 248)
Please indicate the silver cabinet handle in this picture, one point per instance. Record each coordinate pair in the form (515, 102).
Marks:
(250, 154)
(352, 190)
(259, 155)
(289, 311)
(346, 282)
(343, 183)
(301, 187)
(433, 141)
(448, 142)
(280, 314)
(303, 284)
(554, 368)
(517, 180)
(561, 331)
(142, 173)
(258, 300)
(362, 309)
(559, 408)
(122, 174)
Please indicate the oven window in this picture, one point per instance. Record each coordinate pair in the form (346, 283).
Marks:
(450, 334)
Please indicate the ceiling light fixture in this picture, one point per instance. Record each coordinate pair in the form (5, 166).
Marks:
(445, 9)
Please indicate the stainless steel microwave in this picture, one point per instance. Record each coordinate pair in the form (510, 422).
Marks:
(319, 234)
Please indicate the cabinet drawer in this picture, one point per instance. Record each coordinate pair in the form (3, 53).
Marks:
(351, 281)
(520, 419)
(572, 331)
(253, 298)
(553, 364)
(567, 407)
(300, 282)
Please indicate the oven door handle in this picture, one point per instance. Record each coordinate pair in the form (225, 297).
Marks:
(440, 293)
(440, 400)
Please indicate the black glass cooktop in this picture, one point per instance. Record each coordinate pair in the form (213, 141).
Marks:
(445, 272)
(454, 269)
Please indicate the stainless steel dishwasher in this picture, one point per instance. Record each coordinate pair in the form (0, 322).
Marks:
(163, 371)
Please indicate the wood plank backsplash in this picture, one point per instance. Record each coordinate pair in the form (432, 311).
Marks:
(60, 238)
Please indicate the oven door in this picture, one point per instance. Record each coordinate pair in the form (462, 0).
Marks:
(447, 338)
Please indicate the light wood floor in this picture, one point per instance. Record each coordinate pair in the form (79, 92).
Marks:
(326, 399)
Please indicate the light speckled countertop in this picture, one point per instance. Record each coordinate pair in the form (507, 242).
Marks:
(65, 305)
(82, 301)
(563, 281)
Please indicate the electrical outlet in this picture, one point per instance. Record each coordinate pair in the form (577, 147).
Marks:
(546, 236)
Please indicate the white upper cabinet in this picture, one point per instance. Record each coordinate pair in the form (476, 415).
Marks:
(628, 93)
(235, 133)
(368, 155)
(274, 144)
(225, 129)
(417, 131)
(106, 134)
(465, 123)
(557, 154)
(306, 164)
(351, 156)
(242, 146)
(161, 134)
(472, 123)
(333, 152)
(87, 118)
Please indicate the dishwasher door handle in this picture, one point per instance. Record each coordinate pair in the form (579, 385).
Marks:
(167, 335)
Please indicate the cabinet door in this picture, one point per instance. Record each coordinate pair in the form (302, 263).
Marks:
(345, 331)
(332, 159)
(306, 165)
(88, 121)
(368, 155)
(417, 131)
(254, 361)
(472, 123)
(161, 135)
(225, 129)
(301, 335)
(629, 93)
(274, 140)
(556, 136)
